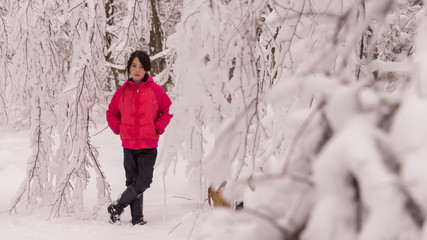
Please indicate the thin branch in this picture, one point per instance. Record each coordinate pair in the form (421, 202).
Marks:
(299, 134)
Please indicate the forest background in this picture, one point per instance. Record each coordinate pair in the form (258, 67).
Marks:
(310, 112)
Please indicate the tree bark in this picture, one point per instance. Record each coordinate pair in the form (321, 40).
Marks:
(110, 10)
(156, 39)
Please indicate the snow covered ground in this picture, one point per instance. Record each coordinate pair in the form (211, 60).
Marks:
(164, 221)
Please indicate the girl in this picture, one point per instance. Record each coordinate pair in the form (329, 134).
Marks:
(139, 112)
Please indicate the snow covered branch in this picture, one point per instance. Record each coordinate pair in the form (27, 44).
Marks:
(84, 91)
(306, 89)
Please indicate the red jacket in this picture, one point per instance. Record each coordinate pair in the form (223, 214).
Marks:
(139, 113)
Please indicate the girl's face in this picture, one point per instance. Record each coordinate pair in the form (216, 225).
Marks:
(137, 71)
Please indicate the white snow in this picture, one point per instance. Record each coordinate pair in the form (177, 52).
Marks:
(164, 221)
(301, 123)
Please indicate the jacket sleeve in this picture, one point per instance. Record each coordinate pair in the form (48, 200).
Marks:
(113, 112)
(164, 116)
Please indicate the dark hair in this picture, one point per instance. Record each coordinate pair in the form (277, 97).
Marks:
(142, 57)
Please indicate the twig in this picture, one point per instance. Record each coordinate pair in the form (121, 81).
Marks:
(173, 229)
(100, 131)
(185, 198)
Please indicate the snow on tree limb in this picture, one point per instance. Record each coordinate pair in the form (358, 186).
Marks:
(87, 91)
(344, 56)
(37, 36)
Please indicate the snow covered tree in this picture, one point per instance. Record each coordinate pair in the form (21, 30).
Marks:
(4, 72)
(139, 25)
(54, 62)
(219, 41)
(312, 112)
(36, 80)
(40, 71)
(361, 174)
(127, 30)
(323, 152)
(83, 90)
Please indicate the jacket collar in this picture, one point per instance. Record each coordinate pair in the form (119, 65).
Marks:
(145, 81)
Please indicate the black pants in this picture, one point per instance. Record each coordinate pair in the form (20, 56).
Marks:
(139, 167)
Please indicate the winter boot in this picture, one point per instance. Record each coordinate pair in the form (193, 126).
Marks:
(136, 211)
(139, 221)
(116, 209)
(114, 212)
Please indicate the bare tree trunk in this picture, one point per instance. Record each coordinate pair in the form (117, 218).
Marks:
(156, 39)
(110, 10)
